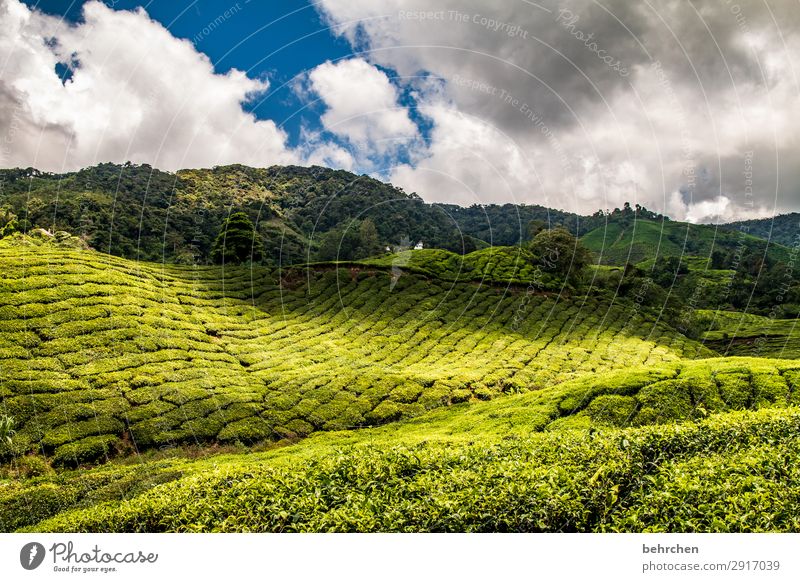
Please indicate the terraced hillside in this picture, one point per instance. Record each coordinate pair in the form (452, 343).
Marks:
(701, 446)
(100, 355)
(493, 265)
(739, 334)
(635, 241)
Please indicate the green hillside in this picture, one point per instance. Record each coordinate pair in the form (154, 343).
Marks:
(140, 212)
(500, 265)
(333, 386)
(620, 241)
(739, 334)
(708, 432)
(100, 354)
(429, 403)
(781, 229)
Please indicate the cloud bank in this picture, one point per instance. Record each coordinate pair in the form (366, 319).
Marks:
(584, 105)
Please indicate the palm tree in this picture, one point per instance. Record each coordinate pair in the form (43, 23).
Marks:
(7, 431)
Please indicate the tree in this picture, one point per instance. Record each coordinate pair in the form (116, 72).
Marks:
(666, 269)
(237, 241)
(339, 244)
(9, 223)
(368, 236)
(535, 227)
(719, 260)
(559, 253)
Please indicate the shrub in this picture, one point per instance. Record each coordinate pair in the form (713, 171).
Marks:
(731, 472)
(87, 450)
(74, 431)
(612, 409)
(33, 504)
(248, 430)
(735, 389)
(7, 431)
(28, 466)
(664, 401)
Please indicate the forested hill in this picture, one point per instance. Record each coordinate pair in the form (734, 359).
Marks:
(782, 229)
(315, 213)
(141, 212)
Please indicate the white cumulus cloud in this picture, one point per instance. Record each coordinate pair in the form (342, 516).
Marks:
(136, 93)
(362, 106)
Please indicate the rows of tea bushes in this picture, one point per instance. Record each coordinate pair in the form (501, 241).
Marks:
(101, 355)
(688, 390)
(503, 265)
(743, 334)
(732, 472)
(661, 396)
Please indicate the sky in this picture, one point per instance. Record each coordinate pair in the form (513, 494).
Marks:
(688, 107)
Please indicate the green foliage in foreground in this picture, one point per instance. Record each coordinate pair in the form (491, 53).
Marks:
(732, 472)
(662, 397)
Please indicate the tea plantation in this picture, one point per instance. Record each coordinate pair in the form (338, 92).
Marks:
(722, 433)
(420, 391)
(733, 333)
(101, 355)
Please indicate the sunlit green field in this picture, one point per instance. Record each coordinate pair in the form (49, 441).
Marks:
(99, 353)
(405, 393)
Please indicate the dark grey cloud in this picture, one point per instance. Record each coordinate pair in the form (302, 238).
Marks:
(639, 94)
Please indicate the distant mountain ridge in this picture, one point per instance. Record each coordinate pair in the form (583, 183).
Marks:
(783, 229)
(139, 212)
